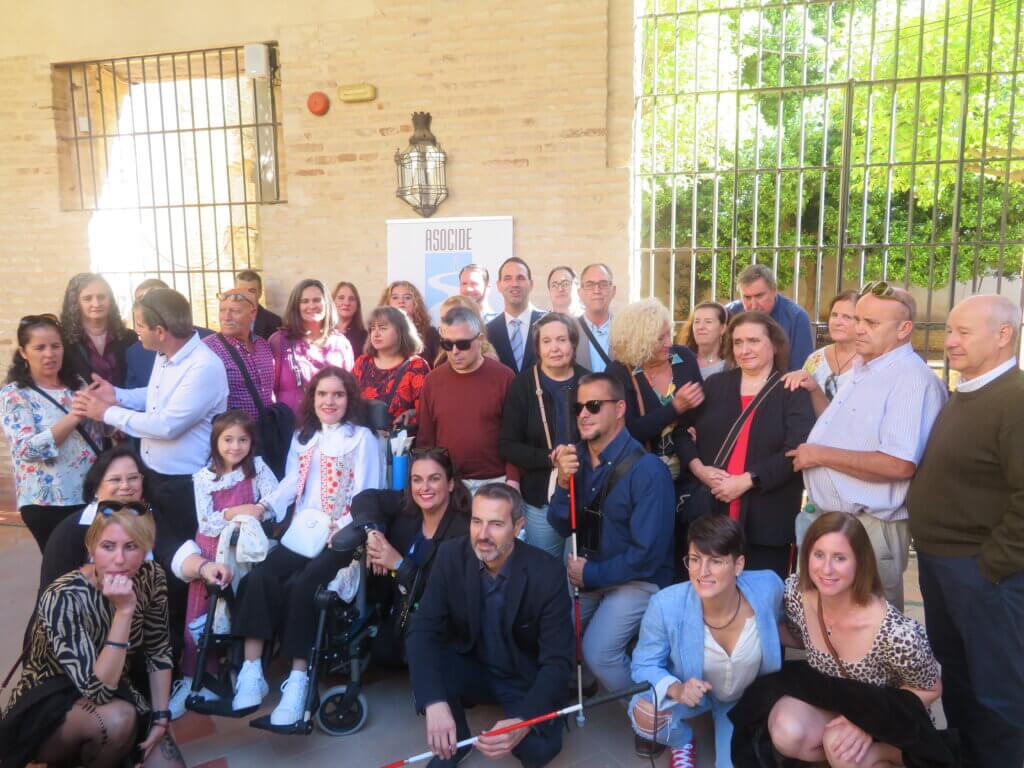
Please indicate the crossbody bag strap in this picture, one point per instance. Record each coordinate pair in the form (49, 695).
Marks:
(828, 641)
(590, 335)
(540, 403)
(398, 380)
(734, 432)
(621, 466)
(639, 401)
(79, 429)
(253, 392)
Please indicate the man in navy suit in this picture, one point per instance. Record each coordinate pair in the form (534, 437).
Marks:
(509, 332)
(493, 626)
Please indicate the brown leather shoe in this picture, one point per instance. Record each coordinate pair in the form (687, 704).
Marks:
(646, 748)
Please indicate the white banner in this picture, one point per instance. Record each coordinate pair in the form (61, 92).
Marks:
(429, 253)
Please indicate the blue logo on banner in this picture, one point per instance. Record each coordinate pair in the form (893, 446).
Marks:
(441, 275)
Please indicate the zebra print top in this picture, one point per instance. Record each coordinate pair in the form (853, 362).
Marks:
(72, 622)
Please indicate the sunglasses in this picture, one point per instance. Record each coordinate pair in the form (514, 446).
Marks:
(137, 508)
(878, 288)
(593, 406)
(235, 296)
(463, 344)
(34, 319)
(429, 453)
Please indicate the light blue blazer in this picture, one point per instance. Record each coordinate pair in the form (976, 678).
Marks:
(671, 648)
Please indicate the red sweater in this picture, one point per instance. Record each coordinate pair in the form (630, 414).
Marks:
(462, 412)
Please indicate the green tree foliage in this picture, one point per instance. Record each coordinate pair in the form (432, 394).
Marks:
(743, 115)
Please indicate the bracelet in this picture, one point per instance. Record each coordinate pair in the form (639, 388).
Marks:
(160, 714)
(199, 570)
(115, 644)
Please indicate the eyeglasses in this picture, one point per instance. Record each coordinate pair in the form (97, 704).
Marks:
(593, 406)
(463, 344)
(159, 317)
(600, 285)
(137, 508)
(878, 288)
(34, 319)
(236, 296)
(560, 285)
(696, 562)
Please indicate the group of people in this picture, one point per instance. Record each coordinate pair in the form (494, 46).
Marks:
(708, 499)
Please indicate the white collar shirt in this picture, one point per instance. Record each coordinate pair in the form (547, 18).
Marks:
(174, 413)
(889, 406)
(973, 385)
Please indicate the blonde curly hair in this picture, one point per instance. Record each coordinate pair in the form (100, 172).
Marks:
(636, 330)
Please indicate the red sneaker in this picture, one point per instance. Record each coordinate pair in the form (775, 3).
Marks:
(684, 757)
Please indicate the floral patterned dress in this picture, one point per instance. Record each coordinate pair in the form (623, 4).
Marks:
(45, 474)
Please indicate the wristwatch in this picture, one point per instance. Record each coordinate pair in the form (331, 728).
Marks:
(160, 714)
(755, 479)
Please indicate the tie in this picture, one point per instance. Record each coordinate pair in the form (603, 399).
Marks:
(516, 340)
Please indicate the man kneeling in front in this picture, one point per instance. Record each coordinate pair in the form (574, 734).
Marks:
(493, 627)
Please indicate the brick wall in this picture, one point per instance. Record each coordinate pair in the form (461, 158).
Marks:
(532, 100)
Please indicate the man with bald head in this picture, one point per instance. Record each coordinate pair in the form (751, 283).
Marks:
(967, 517)
(865, 447)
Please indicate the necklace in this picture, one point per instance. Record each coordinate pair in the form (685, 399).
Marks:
(739, 602)
(842, 366)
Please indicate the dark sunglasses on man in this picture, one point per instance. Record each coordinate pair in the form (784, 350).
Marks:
(593, 406)
(462, 344)
(137, 508)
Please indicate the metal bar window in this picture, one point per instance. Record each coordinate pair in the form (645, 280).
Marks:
(839, 142)
(173, 154)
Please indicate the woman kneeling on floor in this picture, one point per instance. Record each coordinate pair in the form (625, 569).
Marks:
(75, 703)
(702, 642)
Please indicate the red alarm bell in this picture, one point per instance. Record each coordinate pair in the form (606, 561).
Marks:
(318, 103)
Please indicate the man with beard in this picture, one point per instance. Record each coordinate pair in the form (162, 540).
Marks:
(493, 627)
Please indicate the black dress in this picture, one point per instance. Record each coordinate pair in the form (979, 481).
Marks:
(72, 622)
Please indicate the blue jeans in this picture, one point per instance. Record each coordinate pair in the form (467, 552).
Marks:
(539, 532)
(610, 619)
(676, 731)
(975, 627)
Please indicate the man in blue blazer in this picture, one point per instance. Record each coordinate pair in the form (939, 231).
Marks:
(494, 626)
(509, 332)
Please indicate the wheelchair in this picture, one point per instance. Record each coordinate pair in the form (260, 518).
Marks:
(344, 635)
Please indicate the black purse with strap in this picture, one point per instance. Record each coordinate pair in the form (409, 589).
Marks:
(276, 423)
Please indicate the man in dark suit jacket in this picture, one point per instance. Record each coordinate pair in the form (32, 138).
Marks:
(509, 332)
(493, 626)
(266, 321)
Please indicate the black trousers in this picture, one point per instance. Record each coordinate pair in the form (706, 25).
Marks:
(41, 520)
(975, 629)
(278, 596)
(469, 682)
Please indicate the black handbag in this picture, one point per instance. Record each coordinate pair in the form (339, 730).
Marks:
(276, 423)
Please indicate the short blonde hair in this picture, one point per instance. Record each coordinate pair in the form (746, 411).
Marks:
(635, 331)
(141, 528)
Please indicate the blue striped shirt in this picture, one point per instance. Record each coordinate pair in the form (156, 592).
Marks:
(889, 405)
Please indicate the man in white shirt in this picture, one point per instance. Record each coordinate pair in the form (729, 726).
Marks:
(473, 282)
(865, 447)
(509, 333)
(597, 289)
(174, 413)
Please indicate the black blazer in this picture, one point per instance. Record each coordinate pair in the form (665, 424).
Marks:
(497, 334)
(522, 441)
(537, 621)
(266, 322)
(656, 416)
(781, 423)
(80, 358)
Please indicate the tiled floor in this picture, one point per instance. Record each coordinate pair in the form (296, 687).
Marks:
(392, 731)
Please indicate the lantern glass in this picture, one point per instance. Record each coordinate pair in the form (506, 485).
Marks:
(421, 177)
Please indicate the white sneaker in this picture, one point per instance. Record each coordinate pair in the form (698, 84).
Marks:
(293, 700)
(181, 691)
(250, 687)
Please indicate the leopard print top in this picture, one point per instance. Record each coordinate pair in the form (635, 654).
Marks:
(900, 654)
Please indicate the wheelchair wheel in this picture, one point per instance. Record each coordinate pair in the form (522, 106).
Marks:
(332, 721)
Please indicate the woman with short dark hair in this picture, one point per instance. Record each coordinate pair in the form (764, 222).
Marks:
(745, 426)
(76, 703)
(537, 418)
(308, 342)
(96, 335)
(702, 642)
(52, 448)
(391, 370)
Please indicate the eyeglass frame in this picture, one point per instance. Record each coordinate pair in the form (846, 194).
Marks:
(463, 345)
(561, 285)
(599, 285)
(578, 407)
(235, 296)
(46, 317)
